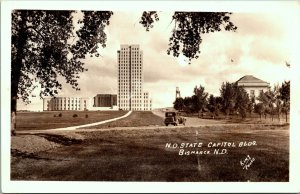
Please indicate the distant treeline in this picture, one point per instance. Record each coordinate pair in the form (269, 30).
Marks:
(234, 100)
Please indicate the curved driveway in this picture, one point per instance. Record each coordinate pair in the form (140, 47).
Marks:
(78, 126)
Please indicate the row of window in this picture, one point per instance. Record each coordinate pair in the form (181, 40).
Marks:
(134, 67)
(129, 55)
(64, 109)
(127, 97)
(132, 72)
(65, 101)
(252, 92)
(127, 48)
(133, 105)
(134, 79)
(57, 104)
(136, 96)
(133, 63)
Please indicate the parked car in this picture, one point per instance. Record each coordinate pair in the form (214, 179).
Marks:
(174, 118)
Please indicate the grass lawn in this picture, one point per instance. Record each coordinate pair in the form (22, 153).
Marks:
(253, 118)
(142, 155)
(51, 120)
(135, 119)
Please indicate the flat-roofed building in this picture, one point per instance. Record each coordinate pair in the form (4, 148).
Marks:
(66, 103)
(253, 85)
(105, 101)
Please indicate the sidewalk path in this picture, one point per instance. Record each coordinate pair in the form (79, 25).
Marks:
(78, 126)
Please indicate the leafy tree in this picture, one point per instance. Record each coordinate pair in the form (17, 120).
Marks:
(260, 109)
(201, 98)
(278, 107)
(179, 104)
(251, 105)
(44, 47)
(284, 91)
(263, 106)
(271, 101)
(188, 104)
(214, 105)
(228, 95)
(219, 101)
(273, 97)
(234, 99)
(188, 28)
(242, 100)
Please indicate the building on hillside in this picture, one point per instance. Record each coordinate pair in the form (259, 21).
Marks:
(130, 80)
(105, 102)
(253, 85)
(66, 103)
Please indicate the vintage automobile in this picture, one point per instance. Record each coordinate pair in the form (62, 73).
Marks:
(174, 118)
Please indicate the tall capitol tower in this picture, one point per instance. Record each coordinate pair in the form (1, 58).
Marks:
(130, 80)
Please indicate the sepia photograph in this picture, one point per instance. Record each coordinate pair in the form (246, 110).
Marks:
(105, 93)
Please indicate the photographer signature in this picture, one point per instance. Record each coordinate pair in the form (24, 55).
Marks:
(247, 162)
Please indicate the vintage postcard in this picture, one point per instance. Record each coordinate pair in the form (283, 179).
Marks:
(168, 96)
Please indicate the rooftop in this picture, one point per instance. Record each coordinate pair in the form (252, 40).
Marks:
(250, 79)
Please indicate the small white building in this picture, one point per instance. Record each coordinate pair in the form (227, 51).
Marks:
(253, 85)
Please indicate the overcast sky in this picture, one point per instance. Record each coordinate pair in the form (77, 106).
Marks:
(259, 47)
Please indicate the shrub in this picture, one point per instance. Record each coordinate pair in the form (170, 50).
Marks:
(54, 115)
(75, 115)
(60, 115)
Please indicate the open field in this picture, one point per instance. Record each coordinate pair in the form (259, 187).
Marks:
(51, 120)
(135, 119)
(141, 155)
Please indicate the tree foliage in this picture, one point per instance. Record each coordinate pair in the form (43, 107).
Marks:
(201, 98)
(42, 50)
(235, 99)
(242, 101)
(148, 18)
(274, 101)
(284, 91)
(228, 95)
(188, 28)
(214, 104)
(179, 104)
(44, 47)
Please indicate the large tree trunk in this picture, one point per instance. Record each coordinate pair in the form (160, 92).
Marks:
(16, 66)
(13, 115)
